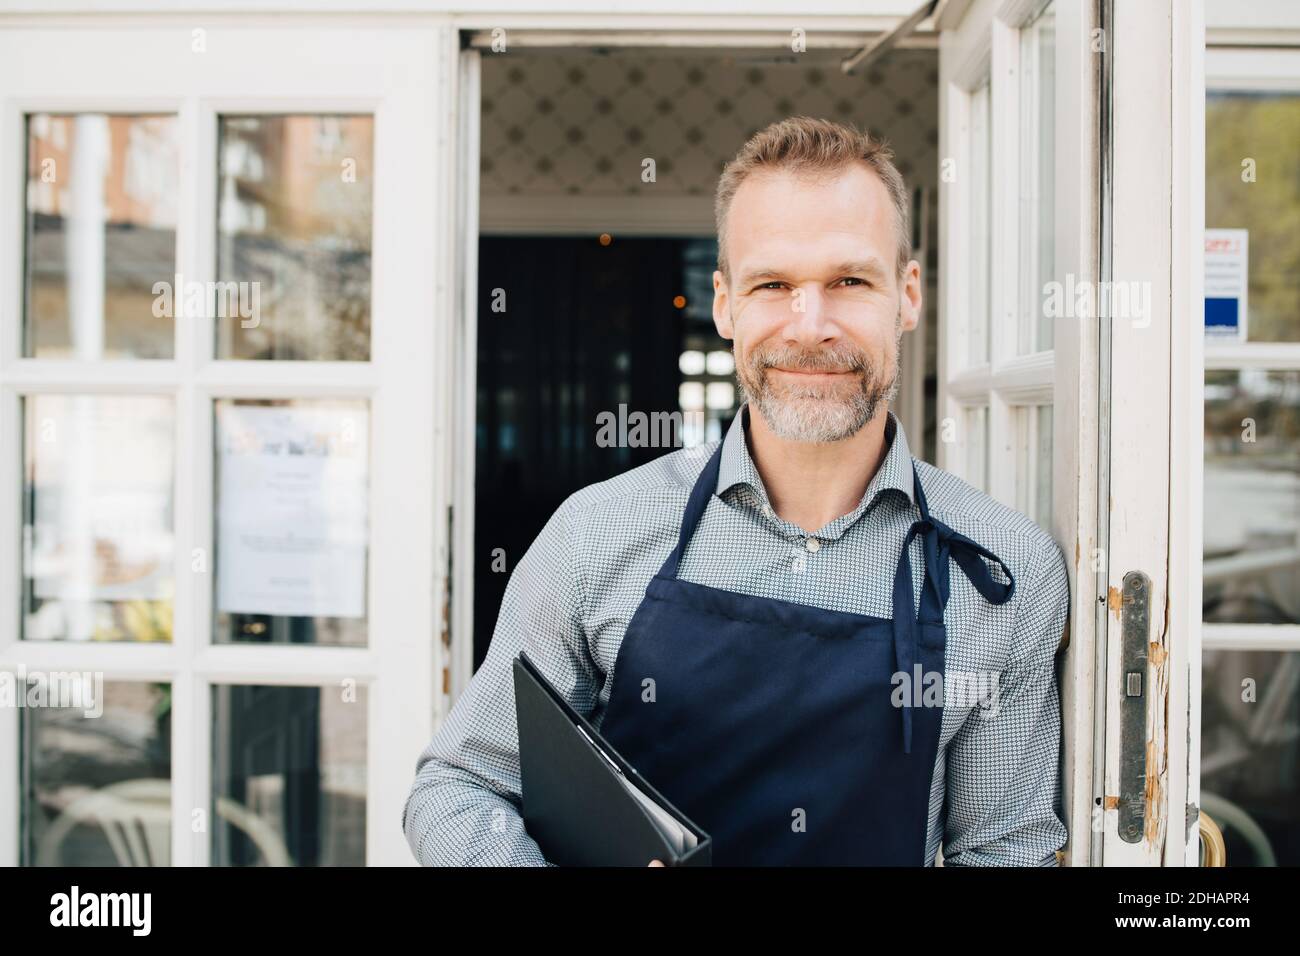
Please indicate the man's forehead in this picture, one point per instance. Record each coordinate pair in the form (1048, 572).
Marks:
(855, 220)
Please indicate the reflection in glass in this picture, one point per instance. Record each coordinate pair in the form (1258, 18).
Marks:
(1037, 157)
(97, 517)
(96, 790)
(1250, 753)
(292, 521)
(100, 232)
(294, 222)
(289, 766)
(1252, 497)
(1252, 181)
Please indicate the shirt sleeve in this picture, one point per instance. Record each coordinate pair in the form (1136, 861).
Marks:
(1003, 773)
(464, 806)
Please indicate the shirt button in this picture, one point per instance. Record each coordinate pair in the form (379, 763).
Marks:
(812, 544)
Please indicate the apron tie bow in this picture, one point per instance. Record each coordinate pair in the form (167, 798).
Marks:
(939, 542)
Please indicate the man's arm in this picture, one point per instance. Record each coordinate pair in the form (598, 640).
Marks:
(463, 809)
(1002, 778)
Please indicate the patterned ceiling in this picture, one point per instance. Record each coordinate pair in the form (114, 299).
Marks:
(580, 124)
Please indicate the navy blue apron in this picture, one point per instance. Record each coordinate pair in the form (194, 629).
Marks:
(770, 723)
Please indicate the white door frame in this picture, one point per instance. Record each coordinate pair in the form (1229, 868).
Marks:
(458, 629)
(1155, 415)
(394, 72)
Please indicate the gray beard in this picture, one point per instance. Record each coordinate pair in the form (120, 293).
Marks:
(819, 413)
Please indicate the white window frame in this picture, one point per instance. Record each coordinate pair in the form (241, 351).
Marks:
(399, 74)
(1009, 384)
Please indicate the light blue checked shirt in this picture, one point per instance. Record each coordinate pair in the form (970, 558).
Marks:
(994, 796)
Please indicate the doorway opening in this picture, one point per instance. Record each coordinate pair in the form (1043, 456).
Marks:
(595, 277)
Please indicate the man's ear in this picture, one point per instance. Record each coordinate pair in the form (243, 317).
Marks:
(722, 306)
(909, 301)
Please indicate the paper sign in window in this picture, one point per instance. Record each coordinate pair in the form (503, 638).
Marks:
(293, 509)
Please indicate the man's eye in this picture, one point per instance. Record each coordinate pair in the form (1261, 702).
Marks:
(856, 280)
(774, 284)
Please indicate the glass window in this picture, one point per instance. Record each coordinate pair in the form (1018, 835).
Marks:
(294, 237)
(1250, 752)
(97, 517)
(292, 521)
(1250, 723)
(975, 436)
(1252, 497)
(981, 225)
(1037, 157)
(289, 775)
(97, 779)
(1252, 182)
(1034, 468)
(100, 234)
(1042, 512)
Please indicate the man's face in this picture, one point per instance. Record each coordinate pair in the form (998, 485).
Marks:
(815, 307)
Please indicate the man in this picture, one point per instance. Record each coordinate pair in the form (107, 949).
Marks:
(781, 630)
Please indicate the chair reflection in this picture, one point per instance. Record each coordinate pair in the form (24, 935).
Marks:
(135, 816)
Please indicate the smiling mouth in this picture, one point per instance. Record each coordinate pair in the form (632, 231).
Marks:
(815, 373)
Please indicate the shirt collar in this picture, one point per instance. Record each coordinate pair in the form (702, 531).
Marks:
(737, 466)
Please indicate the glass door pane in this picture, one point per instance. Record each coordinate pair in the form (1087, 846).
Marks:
(1250, 752)
(96, 787)
(1252, 182)
(289, 775)
(1252, 497)
(981, 225)
(1038, 162)
(100, 233)
(97, 517)
(294, 220)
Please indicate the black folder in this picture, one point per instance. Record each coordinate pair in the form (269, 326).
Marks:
(578, 799)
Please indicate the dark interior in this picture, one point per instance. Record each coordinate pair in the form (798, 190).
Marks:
(586, 327)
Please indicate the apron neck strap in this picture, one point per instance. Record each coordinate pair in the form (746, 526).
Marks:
(919, 493)
(704, 489)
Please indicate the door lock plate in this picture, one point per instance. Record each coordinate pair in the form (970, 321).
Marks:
(1135, 644)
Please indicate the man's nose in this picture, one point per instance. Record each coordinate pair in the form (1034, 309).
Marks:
(810, 320)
